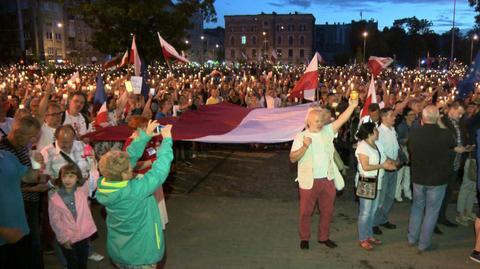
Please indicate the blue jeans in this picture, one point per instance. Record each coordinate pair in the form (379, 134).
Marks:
(426, 199)
(366, 214)
(386, 197)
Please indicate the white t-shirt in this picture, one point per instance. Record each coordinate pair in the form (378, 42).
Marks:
(6, 126)
(47, 136)
(364, 148)
(320, 150)
(78, 123)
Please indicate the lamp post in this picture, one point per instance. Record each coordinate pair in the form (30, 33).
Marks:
(59, 25)
(365, 34)
(474, 38)
(216, 47)
(264, 43)
(203, 56)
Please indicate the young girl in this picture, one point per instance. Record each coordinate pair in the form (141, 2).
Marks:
(70, 215)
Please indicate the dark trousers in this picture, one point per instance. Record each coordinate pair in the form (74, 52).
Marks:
(442, 215)
(77, 256)
(32, 211)
(13, 255)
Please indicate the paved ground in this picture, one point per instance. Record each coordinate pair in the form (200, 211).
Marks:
(239, 209)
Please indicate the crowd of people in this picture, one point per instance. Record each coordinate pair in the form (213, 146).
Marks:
(417, 143)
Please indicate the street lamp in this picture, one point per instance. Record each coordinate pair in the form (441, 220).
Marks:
(216, 46)
(186, 42)
(59, 25)
(365, 34)
(265, 43)
(474, 37)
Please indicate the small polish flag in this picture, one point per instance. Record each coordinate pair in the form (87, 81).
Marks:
(124, 59)
(371, 99)
(135, 57)
(169, 51)
(306, 86)
(102, 116)
(377, 64)
(274, 56)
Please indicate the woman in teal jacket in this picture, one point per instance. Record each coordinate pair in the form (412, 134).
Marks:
(135, 237)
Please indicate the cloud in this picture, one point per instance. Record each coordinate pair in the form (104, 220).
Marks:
(276, 4)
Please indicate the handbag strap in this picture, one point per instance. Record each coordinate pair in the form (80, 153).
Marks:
(379, 159)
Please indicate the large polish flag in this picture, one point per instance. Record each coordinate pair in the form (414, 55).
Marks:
(169, 51)
(135, 58)
(225, 123)
(306, 86)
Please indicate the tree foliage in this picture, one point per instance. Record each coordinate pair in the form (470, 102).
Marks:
(114, 23)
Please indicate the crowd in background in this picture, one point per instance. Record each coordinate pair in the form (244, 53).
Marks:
(45, 111)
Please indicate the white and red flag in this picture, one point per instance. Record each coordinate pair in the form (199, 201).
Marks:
(233, 124)
(135, 58)
(377, 64)
(169, 51)
(306, 86)
(371, 99)
(274, 57)
(102, 116)
(124, 60)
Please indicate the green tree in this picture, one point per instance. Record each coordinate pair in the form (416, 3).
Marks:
(414, 25)
(115, 22)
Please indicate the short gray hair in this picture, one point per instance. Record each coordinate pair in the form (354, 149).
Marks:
(430, 114)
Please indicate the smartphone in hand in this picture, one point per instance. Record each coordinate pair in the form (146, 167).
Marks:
(159, 128)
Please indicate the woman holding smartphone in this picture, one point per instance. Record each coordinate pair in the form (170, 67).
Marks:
(144, 164)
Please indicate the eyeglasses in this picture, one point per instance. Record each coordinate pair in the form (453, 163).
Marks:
(55, 114)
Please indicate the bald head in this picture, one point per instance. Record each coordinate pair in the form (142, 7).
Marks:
(430, 114)
(316, 118)
(64, 137)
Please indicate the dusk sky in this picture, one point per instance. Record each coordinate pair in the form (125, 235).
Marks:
(440, 12)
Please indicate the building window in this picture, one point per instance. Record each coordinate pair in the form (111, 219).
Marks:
(50, 51)
(302, 53)
(279, 40)
(49, 35)
(290, 53)
(290, 40)
(232, 41)
(244, 40)
(252, 28)
(254, 53)
(254, 40)
(232, 54)
(302, 40)
(265, 23)
(26, 35)
(58, 37)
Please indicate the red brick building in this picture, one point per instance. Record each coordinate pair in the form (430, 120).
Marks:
(254, 37)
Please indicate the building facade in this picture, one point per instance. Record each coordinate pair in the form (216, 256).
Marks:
(44, 31)
(213, 44)
(253, 38)
(334, 40)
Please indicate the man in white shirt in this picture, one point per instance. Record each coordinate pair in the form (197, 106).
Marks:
(74, 116)
(318, 175)
(53, 118)
(387, 138)
(65, 143)
(270, 100)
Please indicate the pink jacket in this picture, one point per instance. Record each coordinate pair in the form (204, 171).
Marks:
(63, 223)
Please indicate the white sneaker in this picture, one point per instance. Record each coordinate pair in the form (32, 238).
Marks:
(95, 257)
(399, 199)
(461, 220)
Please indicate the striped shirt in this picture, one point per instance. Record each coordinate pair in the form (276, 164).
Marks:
(23, 155)
(458, 136)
